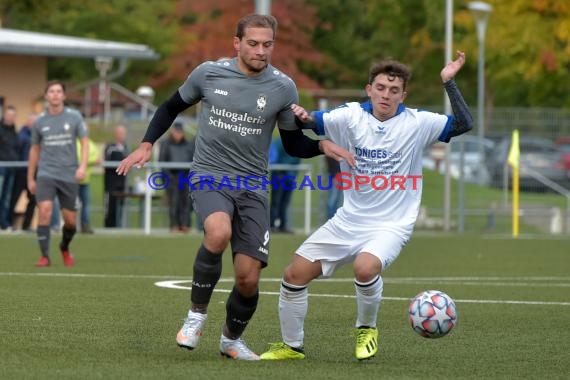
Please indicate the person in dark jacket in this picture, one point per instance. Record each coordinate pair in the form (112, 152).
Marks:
(334, 195)
(8, 152)
(115, 184)
(178, 149)
(282, 190)
(21, 176)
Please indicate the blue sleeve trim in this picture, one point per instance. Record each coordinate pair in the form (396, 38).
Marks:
(444, 136)
(320, 123)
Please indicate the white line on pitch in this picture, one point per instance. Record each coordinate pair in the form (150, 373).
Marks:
(176, 285)
(276, 279)
(481, 283)
(468, 281)
(407, 279)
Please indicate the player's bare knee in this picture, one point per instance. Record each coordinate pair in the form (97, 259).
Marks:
(216, 246)
(217, 240)
(364, 273)
(288, 275)
(295, 276)
(247, 285)
(69, 219)
(44, 214)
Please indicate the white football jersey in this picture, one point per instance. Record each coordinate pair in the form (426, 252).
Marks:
(385, 189)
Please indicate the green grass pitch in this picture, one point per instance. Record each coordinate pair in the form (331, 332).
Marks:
(106, 319)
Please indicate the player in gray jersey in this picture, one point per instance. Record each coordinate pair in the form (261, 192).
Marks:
(53, 168)
(242, 99)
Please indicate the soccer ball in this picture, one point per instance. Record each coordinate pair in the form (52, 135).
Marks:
(432, 314)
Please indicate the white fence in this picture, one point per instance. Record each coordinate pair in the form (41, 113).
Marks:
(155, 167)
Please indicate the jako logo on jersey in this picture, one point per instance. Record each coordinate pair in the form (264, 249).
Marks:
(261, 102)
(381, 130)
(66, 127)
(221, 92)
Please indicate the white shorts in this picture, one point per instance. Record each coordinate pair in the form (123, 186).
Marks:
(335, 244)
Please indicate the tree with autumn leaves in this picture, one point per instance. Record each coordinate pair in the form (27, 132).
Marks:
(528, 49)
(208, 36)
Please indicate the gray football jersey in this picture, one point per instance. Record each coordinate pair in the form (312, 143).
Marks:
(56, 135)
(237, 117)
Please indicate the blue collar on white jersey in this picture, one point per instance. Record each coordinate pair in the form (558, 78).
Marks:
(367, 106)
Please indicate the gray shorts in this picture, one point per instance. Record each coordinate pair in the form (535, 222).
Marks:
(249, 213)
(48, 188)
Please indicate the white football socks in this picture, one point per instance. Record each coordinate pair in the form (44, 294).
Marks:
(368, 297)
(293, 304)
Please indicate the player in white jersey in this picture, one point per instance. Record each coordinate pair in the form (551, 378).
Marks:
(381, 198)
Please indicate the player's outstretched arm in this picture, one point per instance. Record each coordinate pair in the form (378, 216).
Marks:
(137, 158)
(463, 121)
(452, 68)
(329, 148)
(159, 124)
(336, 152)
(303, 119)
(301, 113)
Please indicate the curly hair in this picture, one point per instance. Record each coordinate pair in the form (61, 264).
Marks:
(392, 69)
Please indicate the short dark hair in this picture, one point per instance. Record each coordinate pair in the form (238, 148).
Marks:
(53, 83)
(391, 68)
(256, 21)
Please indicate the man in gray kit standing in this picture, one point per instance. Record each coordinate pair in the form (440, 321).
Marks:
(53, 154)
(242, 100)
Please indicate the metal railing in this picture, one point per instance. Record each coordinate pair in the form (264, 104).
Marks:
(148, 168)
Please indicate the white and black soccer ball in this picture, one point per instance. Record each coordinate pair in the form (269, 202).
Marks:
(432, 314)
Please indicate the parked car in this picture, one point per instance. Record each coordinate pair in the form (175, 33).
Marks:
(563, 143)
(536, 154)
(473, 162)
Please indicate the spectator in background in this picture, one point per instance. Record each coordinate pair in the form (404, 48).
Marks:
(283, 187)
(85, 187)
(8, 152)
(21, 176)
(176, 148)
(115, 184)
(334, 195)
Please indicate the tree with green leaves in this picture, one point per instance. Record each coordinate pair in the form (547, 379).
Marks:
(527, 52)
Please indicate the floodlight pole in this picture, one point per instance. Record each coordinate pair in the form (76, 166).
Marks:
(263, 7)
(146, 93)
(480, 12)
(103, 65)
(447, 111)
